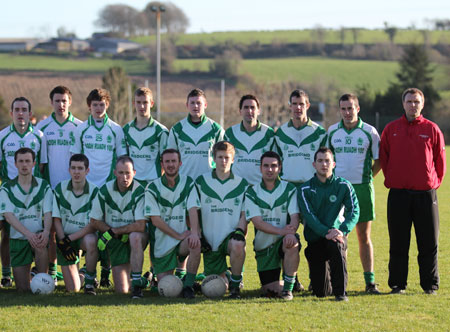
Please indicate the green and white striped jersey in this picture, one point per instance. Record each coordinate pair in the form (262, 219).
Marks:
(73, 210)
(118, 209)
(221, 205)
(274, 207)
(145, 147)
(249, 148)
(60, 137)
(172, 205)
(297, 148)
(102, 146)
(354, 150)
(28, 207)
(11, 141)
(195, 143)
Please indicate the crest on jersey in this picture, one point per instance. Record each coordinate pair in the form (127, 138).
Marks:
(152, 148)
(163, 210)
(61, 132)
(98, 137)
(313, 147)
(33, 146)
(183, 205)
(148, 209)
(286, 147)
(16, 210)
(181, 144)
(38, 208)
(109, 139)
(333, 198)
(208, 200)
(360, 141)
(3, 206)
(284, 208)
(72, 138)
(22, 144)
(237, 201)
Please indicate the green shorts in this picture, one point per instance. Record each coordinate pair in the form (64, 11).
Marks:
(119, 252)
(366, 198)
(64, 262)
(21, 252)
(272, 257)
(215, 262)
(168, 262)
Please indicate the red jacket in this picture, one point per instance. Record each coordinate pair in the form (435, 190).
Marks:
(412, 154)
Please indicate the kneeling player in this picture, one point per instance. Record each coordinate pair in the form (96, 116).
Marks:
(224, 226)
(71, 206)
(272, 207)
(167, 200)
(27, 206)
(118, 212)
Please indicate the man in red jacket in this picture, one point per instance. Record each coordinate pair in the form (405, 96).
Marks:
(412, 156)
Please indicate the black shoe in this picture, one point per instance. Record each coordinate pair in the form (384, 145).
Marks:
(341, 298)
(89, 289)
(372, 289)
(235, 293)
(430, 292)
(397, 290)
(298, 287)
(197, 287)
(34, 271)
(6, 282)
(188, 292)
(270, 294)
(287, 295)
(105, 283)
(136, 293)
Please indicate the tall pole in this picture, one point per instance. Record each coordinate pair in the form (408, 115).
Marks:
(158, 65)
(222, 102)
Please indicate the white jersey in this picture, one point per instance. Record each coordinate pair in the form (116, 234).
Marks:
(11, 141)
(195, 143)
(274, 207)
(60, 137)
(354, 150)
(221, 205)
(29, 208)
(297, 148)
(249, 149)
(172, 205)
(73, 210)
(145, 147)
(118, 209)
(102, 146)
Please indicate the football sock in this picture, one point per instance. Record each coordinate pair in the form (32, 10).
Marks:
(6, 271)
(369, 277)
(52, 270)
(89, 277)
(137, 279)
(235, 281)
(189, 280)
(180, 273)
(288, 282)
(104, 274)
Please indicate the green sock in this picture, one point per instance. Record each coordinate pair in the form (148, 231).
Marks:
(180, 273)
(235, 281)
(189, 280)
(6, 271)
(89, 277)
(288, 282)
(138, 280)
(52, 269)
(369, 277)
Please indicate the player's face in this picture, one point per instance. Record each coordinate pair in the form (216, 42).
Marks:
(324, 164)
(349, 111)
(413, 105)
(196, 106)
(78, 171)
(98, 109)
(124, 173)
(224, 160)
(21, 114)
(24, 163)
(270, 169)
(61, 104)
(299, 106)
(143, 105)
(249, 111)
(171, 164)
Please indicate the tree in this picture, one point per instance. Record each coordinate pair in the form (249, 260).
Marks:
(122, 19)
(4, 114)
(116, 82)
(355, 33)
(62, 32)
(391, 31)
(227, 64)
(173, 20)
(168, 56)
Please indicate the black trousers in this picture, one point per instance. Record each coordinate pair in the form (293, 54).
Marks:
(406, 207)
(327, 267)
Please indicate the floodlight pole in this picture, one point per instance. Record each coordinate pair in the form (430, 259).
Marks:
(158, 11)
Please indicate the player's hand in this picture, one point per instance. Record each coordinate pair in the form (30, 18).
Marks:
(333, 234)
(290, 240)
(34, 240)
(193, 241)
(104, 239)
(184, 235)
(42, 239)
(288, 229)
(66, 249)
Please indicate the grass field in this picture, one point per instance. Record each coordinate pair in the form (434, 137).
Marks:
(413, 311)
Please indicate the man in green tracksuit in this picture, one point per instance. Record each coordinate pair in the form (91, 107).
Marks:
(321, 200)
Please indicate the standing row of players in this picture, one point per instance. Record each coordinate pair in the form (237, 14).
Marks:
(353, 143)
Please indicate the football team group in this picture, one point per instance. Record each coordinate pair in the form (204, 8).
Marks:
(93, 188)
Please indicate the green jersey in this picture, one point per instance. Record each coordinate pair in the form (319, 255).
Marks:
(28, 207)
(73, 210)
(274, 207)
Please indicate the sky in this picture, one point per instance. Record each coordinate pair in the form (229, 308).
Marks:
(27, 18)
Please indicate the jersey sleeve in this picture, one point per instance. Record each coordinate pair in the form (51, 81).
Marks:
(43, 150)
(139, 208)
(292, 203)
(375, 144)
(121, 145)
(98, 208)
(308, 214)
(251, 208)
(76, 146)
(351, 212)
(439, 155)
(172, 140)
(151, 207)
(193, 201)
(163, 140)
(48, 200)
(55, 209)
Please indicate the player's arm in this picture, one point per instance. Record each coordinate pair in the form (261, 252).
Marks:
(308, 213)
(351, 207)
(58, 228)
(265, 227)
(137, 226)
(241, 230)
(14, 222)
(376, 167)
(194, 237)
(439, 156)
(99, 225)
(81, 233)
(163, 227)
(384, 149)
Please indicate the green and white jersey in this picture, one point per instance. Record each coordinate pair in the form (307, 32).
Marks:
(354, 150)
(172, 205)
(297, 148)
(221, 205)
(28, 207)
(73, 210)
(195, 143)
(118, 209)
(11, 141)
(60, 137)
(274, 207)
(145, 147)
(249, 148)
(102, 146)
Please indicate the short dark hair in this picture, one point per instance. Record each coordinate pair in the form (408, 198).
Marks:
(196, 93)
(349, 97)
(167, 151)
(60, 89)
(412, 91)
(323, 149)
(144, 91)
(248, 97)
(98, 95)
(223, 146)
(298, 93)
(24, 151)
(80, 157)
(125, 159)
(271, 154)
(21, 99)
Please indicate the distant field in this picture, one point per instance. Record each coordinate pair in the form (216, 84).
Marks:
(301, 36)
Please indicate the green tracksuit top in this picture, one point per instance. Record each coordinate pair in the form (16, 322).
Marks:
(321, 205)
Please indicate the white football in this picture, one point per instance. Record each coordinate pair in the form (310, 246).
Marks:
(42, 283)
(170, 286)
(214, 286)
